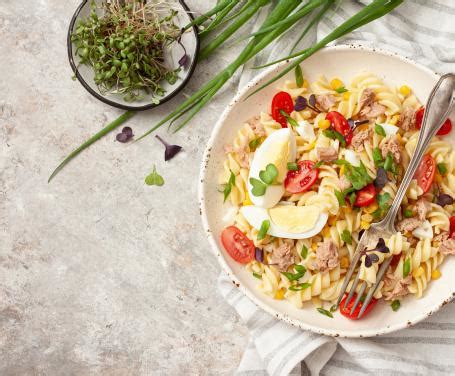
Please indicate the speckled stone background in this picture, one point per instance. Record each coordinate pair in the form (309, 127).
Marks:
(99, 273)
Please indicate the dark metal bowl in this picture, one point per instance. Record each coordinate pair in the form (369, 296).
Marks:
(85, 73)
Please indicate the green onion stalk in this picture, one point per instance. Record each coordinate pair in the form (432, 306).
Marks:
(283, 16)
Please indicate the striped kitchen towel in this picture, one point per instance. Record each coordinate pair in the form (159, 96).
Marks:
(425, 32)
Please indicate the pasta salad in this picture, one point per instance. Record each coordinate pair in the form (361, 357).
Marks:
(307, 177)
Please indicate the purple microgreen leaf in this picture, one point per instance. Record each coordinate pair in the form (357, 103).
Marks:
(128, 131)
(300, 103)
(259, 255)
(368, 262)
(381, 178)
(374, 257)
(184, 61)
(444, 199)
(312, 100)
(171, 150)
(122, 137)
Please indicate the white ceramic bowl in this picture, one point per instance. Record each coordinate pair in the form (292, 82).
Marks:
(344, 62)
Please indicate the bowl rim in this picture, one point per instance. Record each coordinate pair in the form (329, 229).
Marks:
(213, 244)
(103, 98)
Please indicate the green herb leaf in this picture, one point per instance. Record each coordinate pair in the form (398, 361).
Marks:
(377, 157)
(292, 166)
(395, 305)
(257, 275)
(299, 286)
(379, 130)
(406, 267)
(333, 308)
(289, 119)
(154, 178)
(298, 76)
(408, 213)
(300, 269)
(269, 175)
(304, 252)
(346, 237)
(358, 176)
(341, 90)
(442, 168)
(229, 185)
(352, 198)
(340, 197)
(263, 230)
(334, 135)
(258, 187)
(255, 143)
(383, 205)
(325, 312)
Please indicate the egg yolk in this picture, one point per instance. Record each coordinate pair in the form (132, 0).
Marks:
(294, 219)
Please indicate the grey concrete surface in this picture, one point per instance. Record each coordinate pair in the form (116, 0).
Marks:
(99, 274)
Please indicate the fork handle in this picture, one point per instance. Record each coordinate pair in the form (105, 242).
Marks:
(437, 110)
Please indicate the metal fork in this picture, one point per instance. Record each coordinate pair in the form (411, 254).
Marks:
(438, 109)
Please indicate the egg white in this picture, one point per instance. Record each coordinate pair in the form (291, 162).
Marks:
(262, 157)
(255, 215)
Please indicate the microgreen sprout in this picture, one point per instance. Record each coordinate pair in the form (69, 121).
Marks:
(171, 150)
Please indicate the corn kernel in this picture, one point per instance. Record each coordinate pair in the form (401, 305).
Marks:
(435, 274)
(247, 200)
(394, 119)
(336, 83)
(367, 217)
(279, 295)
(364, 225)
(371, 208)
(344, 262)
(405, 90)
(323, 124)
(326, 232)
(342, 170)
(348, 209)
(346, 95)
(314, 246)
(306, 84)
(363, 127)
(418, 272)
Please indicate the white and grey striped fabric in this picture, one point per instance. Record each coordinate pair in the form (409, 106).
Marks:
(423, 30)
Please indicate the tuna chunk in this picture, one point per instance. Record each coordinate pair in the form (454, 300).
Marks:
(327, 154)
(391, 145)
(327, 256)
(344, 183)
(447, 245)
(325, 101)
(367, 105)
(359, 139)
(408, 119)
(400, 287)
(282, 257)
(243, 156)
(367, 98)
(423, 207)
(256, 126)
(408, 224)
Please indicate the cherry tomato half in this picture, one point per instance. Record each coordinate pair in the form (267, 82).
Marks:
(425, 172)
(282, 101)
(445, 128)
(236, 243)
(452, 227)
(347, 311)
(365, 196)
(340, 124)
(302, 179)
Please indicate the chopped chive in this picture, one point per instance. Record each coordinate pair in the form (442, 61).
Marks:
(289, 119)
(341, 90)
(340, 197)
(334, 135)
(378, 129)
(406, 267)
(263, 230)
(408, 213)
(299, 286)
(298, 76)
(442, 168)
(254, 144)
(229, 185)
(325, 312)
(304, 252)
(395, 305)
(346, 237)
(257, 275)
(377, 157)
(333, 308)
(292, 166)
(388, 163)
(352, 198)
(317, 165)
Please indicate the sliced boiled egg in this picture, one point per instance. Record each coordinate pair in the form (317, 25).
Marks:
(424, 231)
(389, 129)
(351, 157)
(278, 149)
(286, 221)
(306, 131)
